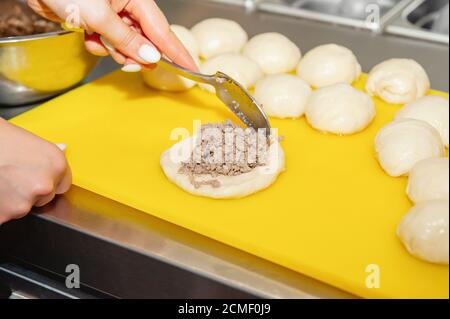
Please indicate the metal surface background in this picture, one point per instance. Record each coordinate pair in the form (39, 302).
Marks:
(138, 255)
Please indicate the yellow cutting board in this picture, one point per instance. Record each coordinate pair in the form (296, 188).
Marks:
(331, 215)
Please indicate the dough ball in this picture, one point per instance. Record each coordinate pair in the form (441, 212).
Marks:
(162, 79)
(273, 52)
(165, 80)
(217, 36)
(282, 95)
(398, 81)
(428, 180)
(339, 109)
(403, 143)
(187, 38)
(431, 109)
(329, 64)
(235, 65)
(424, 231)
(230, 186)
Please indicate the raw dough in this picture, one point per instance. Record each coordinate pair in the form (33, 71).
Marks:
(282, 95)
(403, 143)
(273, 52)
(431, 109)
(398, 81)
(187, 38)
(339, 109)
(329, 64)
(237, 186)
(217, 36)
(162, 79)
(429, 180)
(235, 65)
(424, 231)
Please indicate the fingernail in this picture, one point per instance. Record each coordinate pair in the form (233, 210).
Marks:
(88, 32)
(131, 68)
(107, 44)
(61, 146)
(149, 53)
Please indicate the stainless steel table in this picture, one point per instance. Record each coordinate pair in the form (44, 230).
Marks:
(122, 252)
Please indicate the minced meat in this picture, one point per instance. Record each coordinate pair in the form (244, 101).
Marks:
(225, 149)
(17, 19)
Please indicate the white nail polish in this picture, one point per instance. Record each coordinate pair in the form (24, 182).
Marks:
(107, 44)
(131, 68)
(61, 146)
(149, 53)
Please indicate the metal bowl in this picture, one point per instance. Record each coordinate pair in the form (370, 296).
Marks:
(36, 67)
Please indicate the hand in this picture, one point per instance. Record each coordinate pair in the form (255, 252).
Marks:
(134, 32)
(32, 171)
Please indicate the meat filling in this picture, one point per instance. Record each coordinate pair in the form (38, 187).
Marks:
(225, 149)
(16, 19)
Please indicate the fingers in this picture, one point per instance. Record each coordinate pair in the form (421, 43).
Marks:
(45, 194)
(118, 57)
(44, 200)
(100, 46)
(93, 44)
(131, 66)
(64, 184)
(119, 36)
(128, 42)
(45, 188)
(63, 177)
(131, 43)
(156, 28)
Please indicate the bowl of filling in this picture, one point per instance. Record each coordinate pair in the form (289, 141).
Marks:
(38, 59)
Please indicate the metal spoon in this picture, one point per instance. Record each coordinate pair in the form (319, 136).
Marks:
(230, 92)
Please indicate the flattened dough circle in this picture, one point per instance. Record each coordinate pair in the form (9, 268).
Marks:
(231, 186)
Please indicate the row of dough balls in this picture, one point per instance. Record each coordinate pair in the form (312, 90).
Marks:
(395, 81)
(274, 53)
(266, 61)
(413, 145)
(263, 63)
(223, 45)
